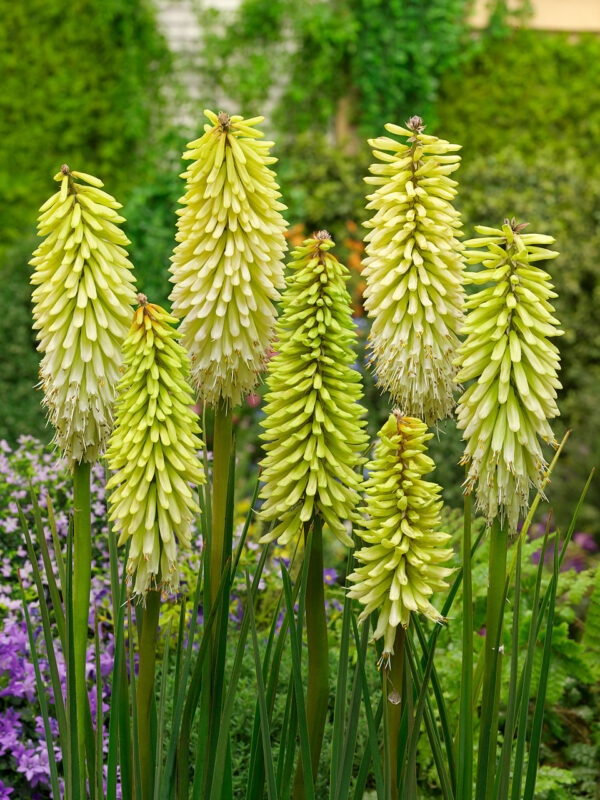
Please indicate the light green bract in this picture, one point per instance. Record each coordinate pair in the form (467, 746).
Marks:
(154, 451)
(313, 432)
(81, 307)
(400, 564)
(513, 365)
(227, 267)
(413, 271)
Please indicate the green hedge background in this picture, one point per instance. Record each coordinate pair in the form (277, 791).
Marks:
(94, 84)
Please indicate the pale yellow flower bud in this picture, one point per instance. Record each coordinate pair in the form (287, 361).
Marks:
(513, 365)
(154, 450)
(414, 270)
(404, 546)
(82, 307)
(227, 266)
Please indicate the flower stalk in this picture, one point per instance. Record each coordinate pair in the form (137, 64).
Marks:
(222, 443)
(317, 690)
(154, 452)
(313, 441)
(513, 364)
(145, 691)
(394, 677)
(488, 730)
(82, 581)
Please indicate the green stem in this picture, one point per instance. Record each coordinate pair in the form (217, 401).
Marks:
(465, 732)
(145, 691)
(317, 693)
(82, 577)
(221, 456)
(394, 707)
(486, 766)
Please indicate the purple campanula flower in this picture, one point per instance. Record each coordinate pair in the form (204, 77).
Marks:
(329, 576)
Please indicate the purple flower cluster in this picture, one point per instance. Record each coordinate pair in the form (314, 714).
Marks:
(581, 547)
(22, 742)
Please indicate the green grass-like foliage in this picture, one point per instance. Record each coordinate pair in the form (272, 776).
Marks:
(313, 431)
(400, 564)
(154, 450)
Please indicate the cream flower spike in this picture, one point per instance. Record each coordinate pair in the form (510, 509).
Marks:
(414, 270)
(313, 432)
(513, 365)
(400, 564)
(227, 267)
(154, 451)
(81, 307)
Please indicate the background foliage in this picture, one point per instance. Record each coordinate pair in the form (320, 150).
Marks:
(328, 73)
(80, 83)
(368, 61)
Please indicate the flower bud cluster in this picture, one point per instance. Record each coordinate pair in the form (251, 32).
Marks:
(400, 564)
(227, 267)
(313, 432)
(513, 364)
(414, 268)
(81, 308)
(154, 451)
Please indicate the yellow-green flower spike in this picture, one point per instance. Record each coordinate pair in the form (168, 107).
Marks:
(81, 307)
(400, 563)
(513, 364)
(154, 451)
(414, 270)
(227, 267)
(313, 432)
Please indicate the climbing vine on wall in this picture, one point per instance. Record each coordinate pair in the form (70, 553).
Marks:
(382, 59)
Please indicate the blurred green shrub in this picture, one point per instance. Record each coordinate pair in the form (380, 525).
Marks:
(380, 59)
(20, 404)
(81, 82)
(322, 186)
(150, 225)
(531, 90)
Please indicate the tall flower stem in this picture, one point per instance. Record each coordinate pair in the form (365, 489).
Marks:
(493, 661)
(145, 690)
(317, 693)
(82, 577)
(465, 734)
(221, 457)
(394, 706)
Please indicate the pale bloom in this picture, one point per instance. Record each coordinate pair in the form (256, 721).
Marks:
(154, 450)
(227, 267)
(404, 548)
(513, 364)
(414, 270)
(82, 306)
